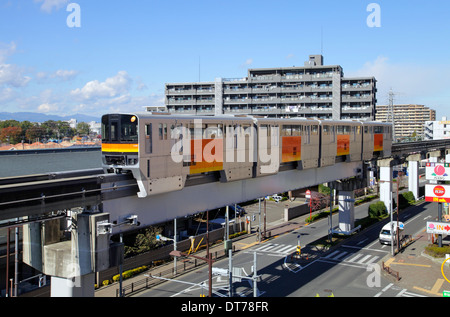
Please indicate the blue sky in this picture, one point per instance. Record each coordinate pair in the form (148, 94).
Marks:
(125, 51)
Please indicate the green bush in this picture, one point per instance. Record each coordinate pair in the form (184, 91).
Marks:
(437, 252)
(130, 273)
(377, 210)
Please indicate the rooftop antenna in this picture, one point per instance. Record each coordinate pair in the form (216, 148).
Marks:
(390, 114)
(321, 40)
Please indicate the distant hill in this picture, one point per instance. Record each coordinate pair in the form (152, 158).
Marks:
(41, 117)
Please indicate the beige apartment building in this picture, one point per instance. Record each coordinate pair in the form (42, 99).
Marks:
(407, 119)
(312, 91)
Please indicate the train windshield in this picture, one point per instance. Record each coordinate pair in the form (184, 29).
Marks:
(119, 128)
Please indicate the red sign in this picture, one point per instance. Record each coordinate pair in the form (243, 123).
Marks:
(439, 191)
(308, 194)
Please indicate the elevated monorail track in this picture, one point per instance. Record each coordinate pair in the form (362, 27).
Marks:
(40, 196)
(404, 149)
(33, 196)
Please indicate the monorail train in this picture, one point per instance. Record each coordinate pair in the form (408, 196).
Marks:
(163, 150)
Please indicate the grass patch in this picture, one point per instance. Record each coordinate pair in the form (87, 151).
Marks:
(436, 251)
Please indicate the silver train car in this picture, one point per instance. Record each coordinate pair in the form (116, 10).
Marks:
(163, 151)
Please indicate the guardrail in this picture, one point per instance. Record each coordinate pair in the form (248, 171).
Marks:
(187, 265)
(391, 271)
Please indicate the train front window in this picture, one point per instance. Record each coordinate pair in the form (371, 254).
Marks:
(119, 128)
(106, 131)
(128, 128)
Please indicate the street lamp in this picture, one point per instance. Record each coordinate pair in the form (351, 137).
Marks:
(209, 260)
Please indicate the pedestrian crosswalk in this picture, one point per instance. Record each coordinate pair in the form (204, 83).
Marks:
(359, 258)
(275, 249)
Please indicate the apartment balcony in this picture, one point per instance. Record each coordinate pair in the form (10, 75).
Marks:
(237, 90)
(236, 101)
(265, 78)
(178, 92)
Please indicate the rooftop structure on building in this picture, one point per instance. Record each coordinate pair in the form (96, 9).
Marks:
(312, 91)
(437, 130)
(409, 119)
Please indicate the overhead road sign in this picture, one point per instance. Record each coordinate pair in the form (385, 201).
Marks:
(437, 171)
(437, 193)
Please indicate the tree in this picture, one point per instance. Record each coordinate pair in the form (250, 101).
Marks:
(11, 135)
(144, 241)
(83, 128)
(34, 132)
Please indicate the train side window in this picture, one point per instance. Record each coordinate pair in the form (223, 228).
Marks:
(165, 131)
(296, 130)
(148, 138)
(160, 130)
(286, 130)
(307, 134)
(314, 130)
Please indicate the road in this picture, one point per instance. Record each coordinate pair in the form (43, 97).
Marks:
(350, 270)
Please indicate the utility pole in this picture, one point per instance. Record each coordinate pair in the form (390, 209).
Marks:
(390, 114)
(255, 287)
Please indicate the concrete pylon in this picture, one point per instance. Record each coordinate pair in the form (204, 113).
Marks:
(346, 210)
(413, 174)
(71, 264)
(386, 182)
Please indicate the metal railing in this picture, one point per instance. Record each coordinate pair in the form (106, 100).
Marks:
(185, 266)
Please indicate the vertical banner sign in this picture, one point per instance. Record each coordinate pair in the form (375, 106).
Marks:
(437, 193)
(437, 171)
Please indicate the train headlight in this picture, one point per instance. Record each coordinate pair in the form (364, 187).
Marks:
(133, 119)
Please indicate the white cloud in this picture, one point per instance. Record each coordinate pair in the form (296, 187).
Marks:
(412, 83)
(247, 62)
(48, 5)
(48, 107)
(61, 74)
(290, 56)
(6, 50)
(12, 75)
(111, 87)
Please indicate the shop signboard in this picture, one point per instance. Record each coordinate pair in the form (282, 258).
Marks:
(437, 193)
(437, 171)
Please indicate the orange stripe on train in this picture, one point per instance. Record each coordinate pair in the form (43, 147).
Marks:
(106, 147)
(343, 144)
(206, 155)
(291, 149)
(378, 142)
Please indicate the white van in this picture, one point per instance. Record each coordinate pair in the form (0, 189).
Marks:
(277, 198)
(385, 233)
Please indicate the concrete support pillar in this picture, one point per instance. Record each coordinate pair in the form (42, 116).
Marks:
(413, 174)
(346, 210)
(32, 245)
(71, 264)
(386, 183)
(79, 286)
(413, 178)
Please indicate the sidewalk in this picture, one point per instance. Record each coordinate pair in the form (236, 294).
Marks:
(418, 272)
(239, 243)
